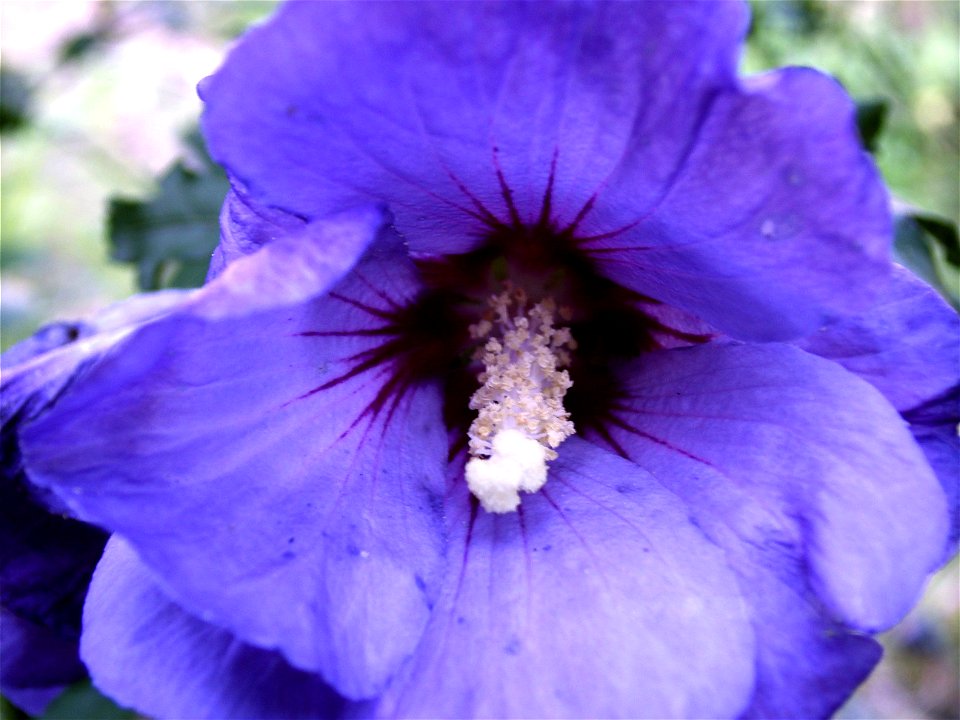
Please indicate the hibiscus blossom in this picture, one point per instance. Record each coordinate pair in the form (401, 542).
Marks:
(544, 370)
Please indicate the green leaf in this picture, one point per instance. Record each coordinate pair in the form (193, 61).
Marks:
(170, 236)
(929, 246)
(871, 118)
(82, 700)
(14, 100)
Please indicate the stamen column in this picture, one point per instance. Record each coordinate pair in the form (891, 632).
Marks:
(521, 416)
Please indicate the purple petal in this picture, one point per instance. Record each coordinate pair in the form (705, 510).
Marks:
(775, 223)
(807, 665)
(268, 458)
(245, 227)
(46, 559)
(35, 663)
(455, 115)
(768, 444)
(598, 599)
(934, 425)
(147, 653)
(906, 346)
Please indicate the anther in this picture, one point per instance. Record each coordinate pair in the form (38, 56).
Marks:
(521, 418)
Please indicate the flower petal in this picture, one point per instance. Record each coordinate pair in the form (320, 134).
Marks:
(775, 223)
(454, 115)
(245, 227)
(935, 426)
(906, 346)
(807, 665)
(147, 653)
(598, 599)
(270, 463)
(768, 444)
(46, 559)
(35, 663)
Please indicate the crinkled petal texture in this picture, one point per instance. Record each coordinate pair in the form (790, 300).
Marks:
(599, 598)
(259, 452)
(905, 346)
(815, 490)
(36, 663)
(147, 653)
(622, 124)
(245, 227)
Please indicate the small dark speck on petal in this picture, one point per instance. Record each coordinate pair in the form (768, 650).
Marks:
(513, 647)
(547, 548)
(289, 555)
(461, 620)
(421, 585)
(290, 540)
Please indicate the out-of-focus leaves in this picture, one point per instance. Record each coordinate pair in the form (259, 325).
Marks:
(83, 701)
(803, 17)
(14, 100)
(170, 236)
(79, 46)
(9, 711)
(929, 246)
(871, 117)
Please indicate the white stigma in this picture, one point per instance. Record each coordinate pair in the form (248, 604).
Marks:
(521, 416)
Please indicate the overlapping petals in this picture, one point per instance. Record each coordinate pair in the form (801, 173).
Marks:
(733, 519)
(308, 476)
(147, 653)
(36, 663)
(47, 558)
(626, 128)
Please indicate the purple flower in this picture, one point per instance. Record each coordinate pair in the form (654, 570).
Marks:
(310, 464)
(46, 558)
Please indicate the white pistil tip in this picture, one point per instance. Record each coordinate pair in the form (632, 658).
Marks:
(521, 415)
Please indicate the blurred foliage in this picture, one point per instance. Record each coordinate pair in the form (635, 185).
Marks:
(902, 53)
(170, 236)
(82, 701)
(14, 100)
(928, 245)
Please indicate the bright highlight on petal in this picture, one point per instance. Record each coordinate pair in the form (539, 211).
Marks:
(521, 415)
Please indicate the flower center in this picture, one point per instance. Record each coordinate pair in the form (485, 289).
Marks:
(521, 418)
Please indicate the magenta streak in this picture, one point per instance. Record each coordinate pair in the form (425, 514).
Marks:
(379, 293)
(372, 332)
(581, 241)
(505, 189)
(376, 312)
(547, 205)
(623, 425)
(571, 229)
(482, 214)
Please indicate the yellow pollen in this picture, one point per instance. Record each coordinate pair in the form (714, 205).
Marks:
(521, 418)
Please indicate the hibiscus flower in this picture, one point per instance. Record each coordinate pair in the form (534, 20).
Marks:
(546, 369)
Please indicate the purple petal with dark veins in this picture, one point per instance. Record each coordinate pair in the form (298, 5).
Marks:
(599, 598)
(455, 114)
(767, 443)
